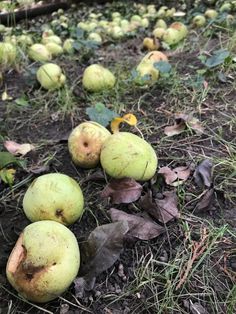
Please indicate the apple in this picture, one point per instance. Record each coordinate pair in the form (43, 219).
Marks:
(85, 143)
(54, 196)
(147, 73)
(181, 28)
(39, 52)
(199, 20)
(44, 261)
(8, 54)
(51, 39)
(226, 7)
(211, 14)
(161, 23)
(95, 37)
(155, 56)
(171, 36)
(50, 76)
(54, 49)
(158, 32)
(127, 155)
(96, 78)
(68, 45)
(150, 44)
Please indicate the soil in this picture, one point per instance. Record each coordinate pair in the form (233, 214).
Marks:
(45, 124)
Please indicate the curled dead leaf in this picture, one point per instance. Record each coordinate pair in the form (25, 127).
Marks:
(125, 190)
(164, 209)
(128, 118)
(203, 174)
(182, 121)
(139, 227)
(18, 149)
(179, 173)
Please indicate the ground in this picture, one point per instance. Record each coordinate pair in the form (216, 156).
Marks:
(146, 276)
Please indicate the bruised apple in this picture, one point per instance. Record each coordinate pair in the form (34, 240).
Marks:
(44, 261)
(85, 143)
(54, 196)
(127, 155)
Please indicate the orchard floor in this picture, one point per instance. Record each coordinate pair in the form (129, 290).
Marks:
(151, 268)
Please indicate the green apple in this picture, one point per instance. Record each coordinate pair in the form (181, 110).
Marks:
(211, 14)
(50, 76)
(96, 78)
(171, 36)
(127, 155)
(68, 45)
(199, 20)
(85, 143)
(54, 49)
(54, 196)
(44, 261)
(51, 39)
(39, 52)
(158, 32)
(161, 23)
(95, 37)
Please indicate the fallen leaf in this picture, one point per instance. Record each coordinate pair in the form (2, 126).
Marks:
(139, 227)
(128, 118)
(168, 206)
(102, 248)
(5, 96)
(7, 159)
(8, 176)
(18, 149)
(194, 308)
(124, 190)
(169, 175)
(182, 121)
(206, 201)
(178, 173)
(101, 114)
(39, 169)
(162, 209)
(182, 172)
(203, 174)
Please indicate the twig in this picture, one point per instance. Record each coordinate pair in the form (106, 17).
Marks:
(197, 249)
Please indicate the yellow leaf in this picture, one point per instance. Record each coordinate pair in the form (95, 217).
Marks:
(5, 96)
(127, 118)
(8, 176)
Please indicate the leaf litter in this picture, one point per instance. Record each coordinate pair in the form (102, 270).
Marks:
(164, 209)
(99, 252)
(182, 122)
(124, 190)
(139, 227)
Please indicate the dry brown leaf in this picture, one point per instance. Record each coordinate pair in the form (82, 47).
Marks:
(125, 190)
(182, 121)
(170, 176)
(203, 174)
(139, 227)
(206, 201)
(18, 149)
(164, 209)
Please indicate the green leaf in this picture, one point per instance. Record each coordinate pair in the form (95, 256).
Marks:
(100, 114)
(217, 58)
(163, 66)
(7, 159)
(7, 176)
(21, 102)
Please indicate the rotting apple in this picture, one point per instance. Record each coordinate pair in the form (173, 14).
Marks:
(125, 154)
(96, 78)
(181, 28)
(85, 143)
(171, 36)
(50, 76)
(44, 261)
(54, 196)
